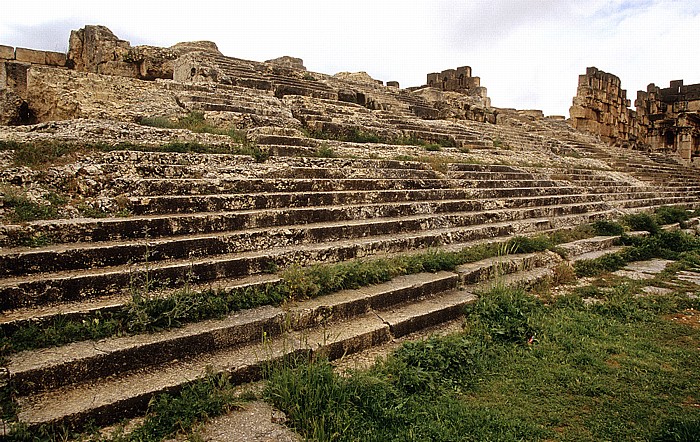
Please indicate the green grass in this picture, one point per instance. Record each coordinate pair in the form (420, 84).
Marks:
(44, 153)
(325, 151)
(195, 122)
(24, 209)
(672, 245)
(522, 370)
(168, 415)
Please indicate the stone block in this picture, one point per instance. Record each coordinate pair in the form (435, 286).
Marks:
(30, 56)
(16, 77)
(7, 52)
(394, 84)
(119, 69)
(55, 59)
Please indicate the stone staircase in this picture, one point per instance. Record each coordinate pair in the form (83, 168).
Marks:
(224, 221)
(227, 223)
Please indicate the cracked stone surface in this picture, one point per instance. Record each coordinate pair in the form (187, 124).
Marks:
(643, 269)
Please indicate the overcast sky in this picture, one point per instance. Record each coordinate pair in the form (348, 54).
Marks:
(528, 53)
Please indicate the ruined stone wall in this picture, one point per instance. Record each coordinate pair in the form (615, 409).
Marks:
(670, 118)
(601, 107)
(457, 80)
(665, 119)
(57, 94)
(97, 50)
(14, 66)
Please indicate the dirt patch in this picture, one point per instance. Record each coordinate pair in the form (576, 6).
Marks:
(690, 317)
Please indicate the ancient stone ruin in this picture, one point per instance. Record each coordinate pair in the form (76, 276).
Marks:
(181, 173)
(665, 120)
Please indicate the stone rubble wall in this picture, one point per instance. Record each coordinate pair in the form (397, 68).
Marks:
(67, 94)
(665, 119)
(601, 107)
(14, 65)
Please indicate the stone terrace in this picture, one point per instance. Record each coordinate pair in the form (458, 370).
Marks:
(226, 221)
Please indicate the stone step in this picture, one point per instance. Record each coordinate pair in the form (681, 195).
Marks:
(342, 323)
(157, 226)
(595, 244)
(18, 292)
(265, 234)
(216, 185)
(41, 370)
(491, 175)
(160, 205)
(87, 309)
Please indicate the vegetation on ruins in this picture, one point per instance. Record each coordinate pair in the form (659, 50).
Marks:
(151, 310)
(357, 135)
(195, 122)
(44, 153)
(628, 354)
(523, 369)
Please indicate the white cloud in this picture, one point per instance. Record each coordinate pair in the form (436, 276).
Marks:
(528, 53)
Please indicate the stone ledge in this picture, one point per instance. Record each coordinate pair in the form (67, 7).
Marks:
(7, 52)
(40, 57)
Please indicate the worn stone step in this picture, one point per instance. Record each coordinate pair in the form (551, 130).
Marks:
(47, 369)
(580, 247)
(157, 226)
(128, 395)
(161, 205)
(75, 285)
(102, 400)
(491, 175)
(228, 202)
(262, 236)
(490, 268)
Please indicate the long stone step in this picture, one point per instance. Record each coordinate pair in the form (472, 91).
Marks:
(470, 273)
(459, 213)
(49, 369)
(342, 323)
(217, 185)
(79, 256)
(157, 226)
(161, 205)
(74, 285)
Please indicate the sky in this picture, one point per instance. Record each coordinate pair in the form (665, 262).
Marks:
(528, 53)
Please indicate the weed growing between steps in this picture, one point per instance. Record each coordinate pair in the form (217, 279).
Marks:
(523, 369)
(23, 208)
(40, 155)
(357, 135)
(673, 245)
(195, 122)
(148, 311)
(167, 415)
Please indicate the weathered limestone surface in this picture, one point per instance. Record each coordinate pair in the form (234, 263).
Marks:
(289, 62)
(601, 107)
(10, 108)
(7, 52)
(96, 49)
(93, 46)
(666, 119)
(358, 77)
(63, 94)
